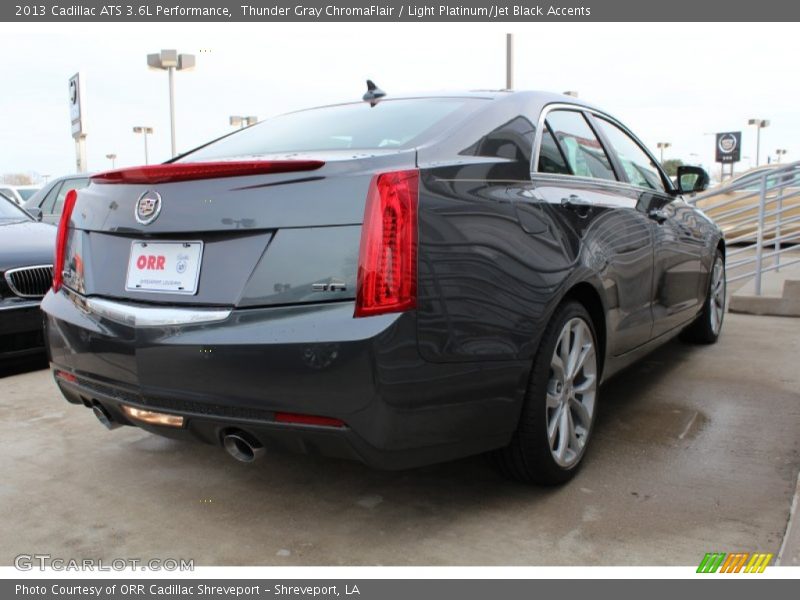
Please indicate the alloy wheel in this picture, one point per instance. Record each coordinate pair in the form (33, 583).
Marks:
(717, 303)
(571, 393)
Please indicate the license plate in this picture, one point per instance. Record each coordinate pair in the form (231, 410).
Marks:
(164, 267)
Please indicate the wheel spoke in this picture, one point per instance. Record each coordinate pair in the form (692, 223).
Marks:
(552, 426)
(586, 385)
(563, 434)
(581, 412)
(575, 350)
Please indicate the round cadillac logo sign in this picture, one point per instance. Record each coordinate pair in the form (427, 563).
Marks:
(148, 207)
(727, 143)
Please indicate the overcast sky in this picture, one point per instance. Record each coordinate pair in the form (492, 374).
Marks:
(667, 82)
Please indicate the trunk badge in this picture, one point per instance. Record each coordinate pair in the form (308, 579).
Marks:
(148, 207)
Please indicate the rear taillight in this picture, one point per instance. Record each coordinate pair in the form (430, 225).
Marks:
(387, 260)
(204, 170)
(61, 238)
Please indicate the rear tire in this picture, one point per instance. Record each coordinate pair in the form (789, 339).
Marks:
(707, 326)
(558, 413)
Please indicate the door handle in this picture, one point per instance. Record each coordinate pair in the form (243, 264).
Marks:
(575, 202)
(658, 215)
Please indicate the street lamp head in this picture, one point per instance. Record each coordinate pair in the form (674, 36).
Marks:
(165, 59)
(251, 120)
(185, 62)
(142, 129)
(571, 93)
(761, 123)
(111, 156)
(235, 120)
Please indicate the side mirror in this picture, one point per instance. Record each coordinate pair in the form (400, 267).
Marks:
(35, 212)
(692, 179)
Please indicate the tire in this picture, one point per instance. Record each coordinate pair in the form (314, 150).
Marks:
(705, 329)
(531, 457)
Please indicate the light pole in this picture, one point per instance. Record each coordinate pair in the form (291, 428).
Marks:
(112, 157)
(759, 124)
(780, 152)
(242, 122)
(663, 146)
(171, 61)
(509, 61)
(145, 131)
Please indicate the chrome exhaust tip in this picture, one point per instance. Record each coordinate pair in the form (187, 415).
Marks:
(104, 418)
(242, 446)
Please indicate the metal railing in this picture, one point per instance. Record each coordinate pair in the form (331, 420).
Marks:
(760, 217)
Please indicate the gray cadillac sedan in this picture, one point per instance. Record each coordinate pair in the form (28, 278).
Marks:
(399, 280)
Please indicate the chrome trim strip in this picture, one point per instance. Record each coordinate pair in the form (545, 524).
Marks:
(539, 134)
(150, 316)
(21, 305)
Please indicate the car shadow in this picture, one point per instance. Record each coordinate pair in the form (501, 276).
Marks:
(27, 364)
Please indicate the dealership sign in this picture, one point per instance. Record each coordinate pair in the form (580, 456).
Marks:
(729, 147)
(75, 107)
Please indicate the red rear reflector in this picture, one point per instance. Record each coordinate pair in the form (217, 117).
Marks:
(387, 259)
(61, 238)
(204, 170)
(283, 417)
(66, 376)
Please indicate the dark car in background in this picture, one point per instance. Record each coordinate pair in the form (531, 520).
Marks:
(399, 281)
(47, 203)
(26, 259)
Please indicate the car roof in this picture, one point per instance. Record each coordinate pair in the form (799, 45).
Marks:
(533, 97)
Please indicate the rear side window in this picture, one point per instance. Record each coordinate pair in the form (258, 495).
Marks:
(639, 168)
(581, 148)
(58, 199)
(551, 157)
(389, 124)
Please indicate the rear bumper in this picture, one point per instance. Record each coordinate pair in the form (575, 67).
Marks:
(400, 411)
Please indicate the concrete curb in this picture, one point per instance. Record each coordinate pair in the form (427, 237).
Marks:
(789, 554)
(785, 305)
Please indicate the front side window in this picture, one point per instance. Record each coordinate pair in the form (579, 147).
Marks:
(579, 145)
(639, 168)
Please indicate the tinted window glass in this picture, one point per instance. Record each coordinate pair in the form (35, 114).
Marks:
(69, 184)
(50, 199)
(512, 141)
(26, 193)
(638, 166)
(390, 124)
(551, 160)
(584, 153)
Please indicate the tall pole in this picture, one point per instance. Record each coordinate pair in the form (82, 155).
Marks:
(172, 108)
(758, 144)
(146, 161)
(509, 61)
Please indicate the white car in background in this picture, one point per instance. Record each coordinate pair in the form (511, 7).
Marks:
(19, 193)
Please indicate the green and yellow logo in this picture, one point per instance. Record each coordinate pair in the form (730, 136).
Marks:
(736, 562)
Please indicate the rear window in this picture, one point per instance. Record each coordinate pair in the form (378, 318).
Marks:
(389, 124)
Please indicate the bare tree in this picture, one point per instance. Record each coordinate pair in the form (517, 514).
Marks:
(17, 179)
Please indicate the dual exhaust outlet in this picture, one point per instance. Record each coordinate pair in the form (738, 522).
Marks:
(239, 444)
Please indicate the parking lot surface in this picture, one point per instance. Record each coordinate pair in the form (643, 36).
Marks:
(696, 449)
